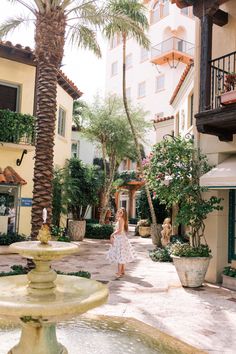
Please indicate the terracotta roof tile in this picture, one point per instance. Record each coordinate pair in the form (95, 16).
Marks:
(162, 119)
(10, 176)
(182, 78)
(26, 54)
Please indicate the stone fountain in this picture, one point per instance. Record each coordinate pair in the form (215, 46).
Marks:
(40, 299)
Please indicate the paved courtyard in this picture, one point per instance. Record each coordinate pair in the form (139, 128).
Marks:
(151, 292)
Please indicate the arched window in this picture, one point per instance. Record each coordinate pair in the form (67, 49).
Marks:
(160, 10)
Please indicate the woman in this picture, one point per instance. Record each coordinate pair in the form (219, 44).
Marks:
(121, 251)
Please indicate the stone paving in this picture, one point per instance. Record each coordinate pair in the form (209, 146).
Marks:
(151, 292)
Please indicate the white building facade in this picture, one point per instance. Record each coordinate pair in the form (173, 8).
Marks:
(153, 75)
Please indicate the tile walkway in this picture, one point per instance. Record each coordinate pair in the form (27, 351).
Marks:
(151, 292)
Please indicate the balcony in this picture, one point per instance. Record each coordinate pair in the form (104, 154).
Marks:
(172, 49)
(17, 130)
(218, 118)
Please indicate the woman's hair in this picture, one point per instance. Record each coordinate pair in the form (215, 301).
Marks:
(125, 217)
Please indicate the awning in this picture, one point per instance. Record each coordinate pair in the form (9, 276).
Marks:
(10, 176)
(223, 176)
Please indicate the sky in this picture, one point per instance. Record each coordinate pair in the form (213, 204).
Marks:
(82, 67)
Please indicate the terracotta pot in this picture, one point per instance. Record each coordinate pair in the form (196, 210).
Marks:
(229, 282)
(76, 229)
(144, 231)
(191, 270)
(228, 97)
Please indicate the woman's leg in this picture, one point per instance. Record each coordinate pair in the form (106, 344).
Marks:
(123, 269)
(119, 270)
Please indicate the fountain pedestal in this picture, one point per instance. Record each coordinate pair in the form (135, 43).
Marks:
(42, 298)
(38, 338)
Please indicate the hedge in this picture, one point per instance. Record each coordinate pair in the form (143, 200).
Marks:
(98, 231)
(8, 239)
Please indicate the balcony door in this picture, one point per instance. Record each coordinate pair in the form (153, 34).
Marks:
(232, 225)
(9, 97)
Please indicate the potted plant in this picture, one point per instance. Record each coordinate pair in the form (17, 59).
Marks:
(144, 228)
(80, 191)
(179, 163)
(229, 96)
(229, 278)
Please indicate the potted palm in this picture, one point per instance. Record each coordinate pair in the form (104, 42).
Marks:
(173, 174)
(229, 96)
(80, 191)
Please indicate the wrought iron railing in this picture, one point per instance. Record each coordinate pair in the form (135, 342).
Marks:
(220, 68)
(173, 43)
(17, 128)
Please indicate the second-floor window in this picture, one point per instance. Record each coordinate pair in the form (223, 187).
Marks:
(160, 10)
(75, 149)
(115, 41)
(160, 83)
(61, 130)
(114, 68)
(187, 11)
(9, 97)
(141, 89)
(144, 54)
(128, 60)
(128, 93)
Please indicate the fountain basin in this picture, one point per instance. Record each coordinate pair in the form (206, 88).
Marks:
(50, 251)
(72, 296)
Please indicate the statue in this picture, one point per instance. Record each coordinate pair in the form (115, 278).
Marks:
(44, 234)
(166, 232)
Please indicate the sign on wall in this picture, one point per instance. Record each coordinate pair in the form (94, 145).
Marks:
(26, 202)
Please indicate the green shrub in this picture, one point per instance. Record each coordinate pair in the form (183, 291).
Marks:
(133, 221)
(92, 221)
(185, 250)
(161, 254)
(17, 269)
(57, 231)
(64, 238)
(8, 239)
(98, 231)
(231, 272)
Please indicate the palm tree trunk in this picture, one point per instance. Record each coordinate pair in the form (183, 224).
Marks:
(49, 39)
(155, 232)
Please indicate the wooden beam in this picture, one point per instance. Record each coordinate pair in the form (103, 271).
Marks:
(223, 135)
(220, 18)
(206, 53)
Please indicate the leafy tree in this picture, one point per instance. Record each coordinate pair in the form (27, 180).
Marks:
(106, 125)
(135, 11)
(143, 210)
(173, 171)
(55, 20)
(80, 187)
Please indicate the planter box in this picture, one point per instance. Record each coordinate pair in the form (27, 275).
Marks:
(144, 231)
(228, 97)
(76, 229)
(191, 270)
(229, 282)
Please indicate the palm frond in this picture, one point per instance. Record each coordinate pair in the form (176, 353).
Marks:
(24, 3)
(87, 13)
(126, 17)
(12, 24)
(84, 37)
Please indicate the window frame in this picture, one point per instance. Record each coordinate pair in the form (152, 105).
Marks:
(127, 64)
(112, 66)
(61, 129)
(18, 93)
(162, 88)
(139, 85)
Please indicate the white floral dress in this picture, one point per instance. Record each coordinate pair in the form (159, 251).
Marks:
(121, 251)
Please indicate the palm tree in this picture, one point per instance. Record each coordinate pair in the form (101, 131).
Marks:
(55, 21)
(135, 12)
